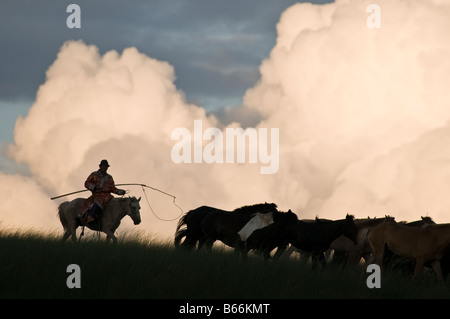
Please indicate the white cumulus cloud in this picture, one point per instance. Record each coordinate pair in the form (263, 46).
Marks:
(352, 102)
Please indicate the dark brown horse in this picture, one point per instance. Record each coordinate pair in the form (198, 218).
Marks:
(190, 225)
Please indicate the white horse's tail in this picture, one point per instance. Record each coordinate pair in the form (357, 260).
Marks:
(62, 216)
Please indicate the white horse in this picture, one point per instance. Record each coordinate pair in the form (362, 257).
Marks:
(115, 210)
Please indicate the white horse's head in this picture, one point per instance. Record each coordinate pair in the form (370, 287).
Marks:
(260, 220)
(134, 211)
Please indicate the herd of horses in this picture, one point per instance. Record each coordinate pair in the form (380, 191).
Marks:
(351, 242)
(262, 228)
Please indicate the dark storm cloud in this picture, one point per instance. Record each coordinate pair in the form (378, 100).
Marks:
(215, 46)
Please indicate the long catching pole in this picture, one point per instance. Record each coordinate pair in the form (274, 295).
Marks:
(130, 184)
(135, 184)
(56, 197)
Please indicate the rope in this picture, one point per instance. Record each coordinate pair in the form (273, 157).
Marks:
(143, 185)
(162, 219)
(148, 202)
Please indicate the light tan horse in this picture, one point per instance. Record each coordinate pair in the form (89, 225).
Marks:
(426, 244)
(115, 210)
(350, 253)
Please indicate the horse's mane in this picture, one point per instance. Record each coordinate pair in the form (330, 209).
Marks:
(321, 220)
(265, 207)
(424, 220)
(124, 199)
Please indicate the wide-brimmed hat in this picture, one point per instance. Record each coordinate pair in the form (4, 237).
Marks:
(104, 162)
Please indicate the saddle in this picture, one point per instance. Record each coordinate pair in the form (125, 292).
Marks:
(95, 224)
(92, 217)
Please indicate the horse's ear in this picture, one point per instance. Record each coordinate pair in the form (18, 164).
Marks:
(139, 199)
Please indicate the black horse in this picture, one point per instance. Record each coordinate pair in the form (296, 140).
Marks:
(313, 237)
(277, 235)
(316, 237)
(190, 225)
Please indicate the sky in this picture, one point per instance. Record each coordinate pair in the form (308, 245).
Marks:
(215, 46)
(358, 97)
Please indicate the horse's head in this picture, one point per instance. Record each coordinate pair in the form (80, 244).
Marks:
(350, 230)
(389, 219)
(287, 218)
(427, 220)
(134, 210)
(291, 217)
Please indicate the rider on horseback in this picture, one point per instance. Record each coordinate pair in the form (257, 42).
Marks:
(101, 184)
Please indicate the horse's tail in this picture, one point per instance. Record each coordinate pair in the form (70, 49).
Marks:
(179, 235)
(189, 242)
(180, 232)
(191, 231)
(181, 222)
(62, 216)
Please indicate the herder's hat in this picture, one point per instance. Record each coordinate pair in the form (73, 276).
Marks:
(104, 162)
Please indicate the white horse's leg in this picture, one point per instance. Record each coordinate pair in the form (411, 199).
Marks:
(74, 235)
(110, 235)
(66, 235)
(71, 231)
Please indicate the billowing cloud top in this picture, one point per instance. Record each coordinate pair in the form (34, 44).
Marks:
(357, 104)
(88, 100)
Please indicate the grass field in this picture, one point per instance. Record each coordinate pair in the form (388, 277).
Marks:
(35, 266)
